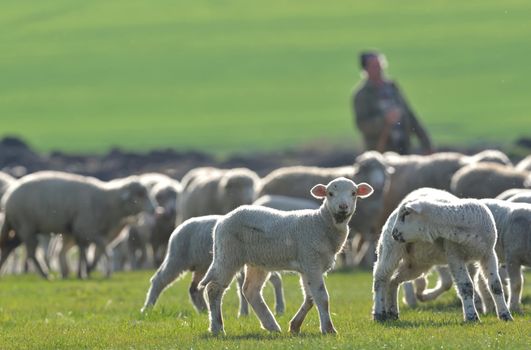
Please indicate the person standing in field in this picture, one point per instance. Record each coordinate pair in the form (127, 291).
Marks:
(382, 113)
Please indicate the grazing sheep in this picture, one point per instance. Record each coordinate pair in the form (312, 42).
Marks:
(488, 180)
(190, 249)
(211, 191)
(369, 167)
(264, 239)
(146, 228)
(513, 248)
(433, 227)
(435, 171)
(155, 230)
(524, 164)
(49, 201)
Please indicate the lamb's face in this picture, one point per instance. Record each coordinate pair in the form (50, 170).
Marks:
(410, 224)
(341, 196)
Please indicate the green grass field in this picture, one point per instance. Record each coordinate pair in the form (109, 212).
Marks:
(235, 75)
(103, 314)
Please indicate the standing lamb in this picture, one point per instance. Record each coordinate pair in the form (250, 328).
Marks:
(263, 240)
(432, 227)
(46, 202)
(211, 191)
(513, 248)
(190, 249)
(488, 180)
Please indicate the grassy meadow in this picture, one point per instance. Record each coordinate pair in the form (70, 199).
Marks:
(103, 314)
(225, 76)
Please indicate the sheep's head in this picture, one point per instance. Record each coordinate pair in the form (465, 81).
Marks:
(237, 187)
(135, 197)
(411, 223)
(166, 198)
(340, 197)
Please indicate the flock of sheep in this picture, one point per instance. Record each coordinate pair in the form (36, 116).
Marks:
(467, 217)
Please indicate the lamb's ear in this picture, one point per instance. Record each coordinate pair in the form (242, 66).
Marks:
(414, 207)
(319, 191)
(364, 190)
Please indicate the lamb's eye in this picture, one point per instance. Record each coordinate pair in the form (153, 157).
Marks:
(353, 193)
(403, 216)
(331, 194)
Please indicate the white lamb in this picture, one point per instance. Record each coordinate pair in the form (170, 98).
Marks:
(190, 249)
(433, 227)
(263, 239)
(513, 224)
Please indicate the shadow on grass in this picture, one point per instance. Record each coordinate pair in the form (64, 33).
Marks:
(419, 323)
(262, 336)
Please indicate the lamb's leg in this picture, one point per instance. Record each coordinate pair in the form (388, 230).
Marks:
(386, 264)
(321, 299)
(252, 290)
(482, 297)
(218, 278)
(196, 295)
(444, 283)
(7, 248)
(276, 281)
(165, 275)
(405, 272)
(82, 269)
(101, 250)
(489, 270)
(296, 322)
(31, 248)
(409, 291)
(515, 282)
(465, 287)
(63, 263)
(244, 305)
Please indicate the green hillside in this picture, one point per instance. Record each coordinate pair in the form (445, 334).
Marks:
(237, 75)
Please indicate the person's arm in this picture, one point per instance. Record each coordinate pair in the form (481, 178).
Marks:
(416, 127)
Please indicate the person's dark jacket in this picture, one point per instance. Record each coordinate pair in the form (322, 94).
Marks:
(371, 121)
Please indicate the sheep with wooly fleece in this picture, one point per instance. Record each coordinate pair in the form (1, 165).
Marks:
(433, 227)
(263, 240)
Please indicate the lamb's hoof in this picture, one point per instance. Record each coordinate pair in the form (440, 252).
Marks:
(295, 327)
(329, 330)
(506, 316)
(392, 316)
(379, 317)
(217, 332)
(472, 318)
